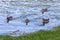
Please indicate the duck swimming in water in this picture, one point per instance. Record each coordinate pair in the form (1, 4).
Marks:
(44, 10)
(45, 21)
(9, 19)
(27, 21)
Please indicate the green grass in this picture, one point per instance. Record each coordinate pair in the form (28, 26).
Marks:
(40, 35)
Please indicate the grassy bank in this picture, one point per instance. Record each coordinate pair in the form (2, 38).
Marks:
(40, 35)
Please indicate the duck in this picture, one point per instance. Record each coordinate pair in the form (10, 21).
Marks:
(44, 10)
(27, 21)
(9, 19)
(45, 21)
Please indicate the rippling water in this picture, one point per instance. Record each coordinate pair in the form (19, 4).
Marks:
(20, 10)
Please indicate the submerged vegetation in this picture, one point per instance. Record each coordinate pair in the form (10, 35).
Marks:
(53, 34)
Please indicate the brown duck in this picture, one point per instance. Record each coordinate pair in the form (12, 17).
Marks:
(9, 19)
(44, 10)
(27, 21)
(45, 21)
